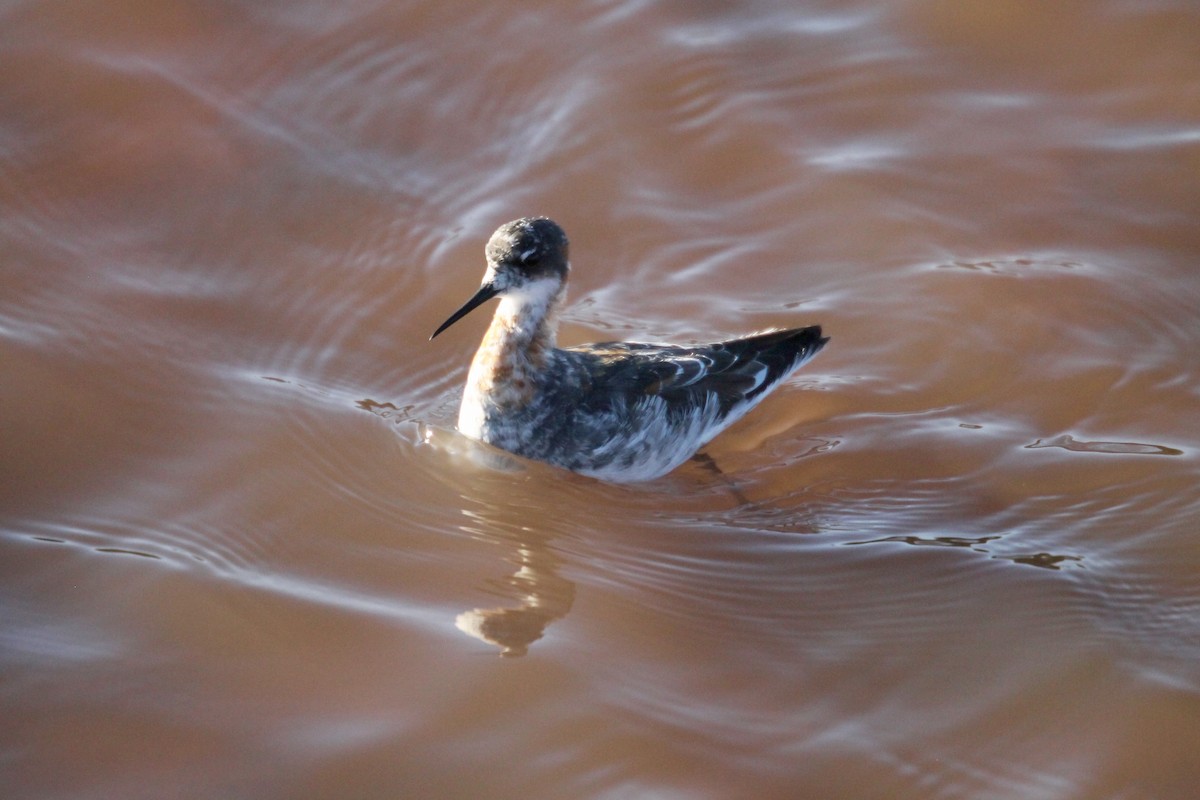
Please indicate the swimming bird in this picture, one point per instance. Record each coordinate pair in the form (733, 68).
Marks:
(618, 411)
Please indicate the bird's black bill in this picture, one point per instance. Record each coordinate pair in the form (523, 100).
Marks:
(485, 293)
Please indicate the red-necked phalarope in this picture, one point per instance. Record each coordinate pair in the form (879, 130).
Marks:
(618, 411)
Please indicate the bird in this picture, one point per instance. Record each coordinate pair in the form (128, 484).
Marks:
(617, 411)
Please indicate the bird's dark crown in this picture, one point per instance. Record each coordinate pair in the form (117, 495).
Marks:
(534, 246)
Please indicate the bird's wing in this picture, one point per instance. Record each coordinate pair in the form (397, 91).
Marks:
(735, 371)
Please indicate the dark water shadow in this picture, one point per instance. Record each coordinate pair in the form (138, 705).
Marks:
(980, 544)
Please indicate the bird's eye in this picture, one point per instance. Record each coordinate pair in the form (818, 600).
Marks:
(529, 257)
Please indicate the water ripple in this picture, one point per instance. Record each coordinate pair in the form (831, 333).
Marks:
(1067, 442)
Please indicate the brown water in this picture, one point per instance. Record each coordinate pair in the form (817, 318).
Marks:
(242, 548)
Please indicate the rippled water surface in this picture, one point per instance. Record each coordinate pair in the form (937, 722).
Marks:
(244, 554)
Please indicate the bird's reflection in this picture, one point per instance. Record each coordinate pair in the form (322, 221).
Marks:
(506, 512)
(537, 594)
(542, 595)
(498, 510)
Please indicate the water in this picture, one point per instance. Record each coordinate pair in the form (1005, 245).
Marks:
(245, 555)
